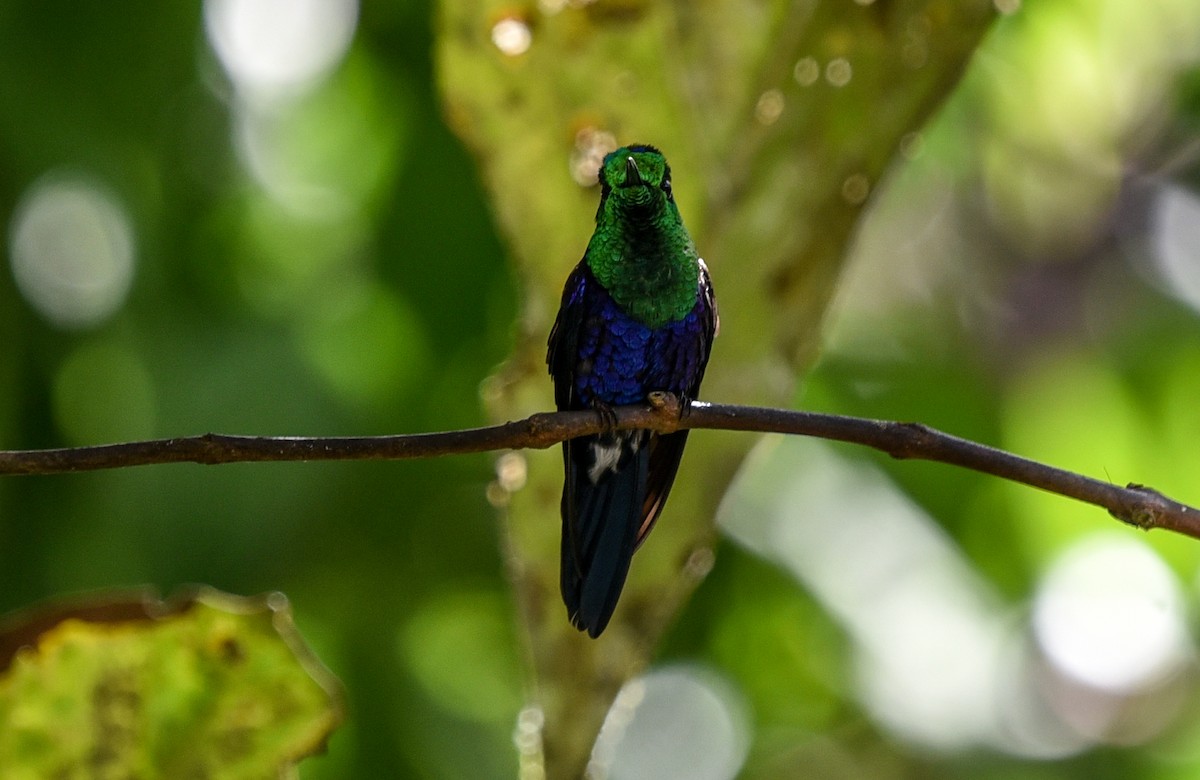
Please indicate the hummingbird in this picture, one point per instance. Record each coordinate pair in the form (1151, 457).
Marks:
(637, 316)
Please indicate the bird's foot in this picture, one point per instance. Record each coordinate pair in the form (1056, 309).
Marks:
(607, 415)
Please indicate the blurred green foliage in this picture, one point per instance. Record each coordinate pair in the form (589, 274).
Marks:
(376, 299)
(323, 260)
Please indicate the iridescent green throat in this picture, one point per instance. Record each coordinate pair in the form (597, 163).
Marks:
(646, 262)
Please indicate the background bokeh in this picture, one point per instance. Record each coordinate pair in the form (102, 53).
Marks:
(248, 216)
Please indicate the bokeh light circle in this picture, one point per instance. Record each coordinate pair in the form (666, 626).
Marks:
(71, 245)
(272, 46)
(1109, 613)
(679, 721)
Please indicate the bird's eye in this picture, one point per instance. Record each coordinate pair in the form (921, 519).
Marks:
(666, 186)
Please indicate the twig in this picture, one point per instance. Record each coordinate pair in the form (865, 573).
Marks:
(1134, 504)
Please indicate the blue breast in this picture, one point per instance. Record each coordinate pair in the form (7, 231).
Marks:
(621, 360)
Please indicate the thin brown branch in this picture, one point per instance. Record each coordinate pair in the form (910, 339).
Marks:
(1134, 504)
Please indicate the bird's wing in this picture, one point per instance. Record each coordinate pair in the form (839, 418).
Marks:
(712, 318)
(563, 346)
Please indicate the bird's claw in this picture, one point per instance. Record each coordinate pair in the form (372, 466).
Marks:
(607, 415)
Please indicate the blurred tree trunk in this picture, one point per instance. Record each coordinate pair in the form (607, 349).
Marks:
(779, 120)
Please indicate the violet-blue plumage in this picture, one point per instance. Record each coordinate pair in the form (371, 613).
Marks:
(637, 316)
(622, 360)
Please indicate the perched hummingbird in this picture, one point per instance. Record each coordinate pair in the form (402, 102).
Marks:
(637, 316)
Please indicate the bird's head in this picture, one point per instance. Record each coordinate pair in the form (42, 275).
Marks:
(640, 251)
(635, 181)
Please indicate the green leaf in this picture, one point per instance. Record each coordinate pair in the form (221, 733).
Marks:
(210, 685)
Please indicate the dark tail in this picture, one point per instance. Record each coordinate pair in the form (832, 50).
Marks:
(603, 499)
